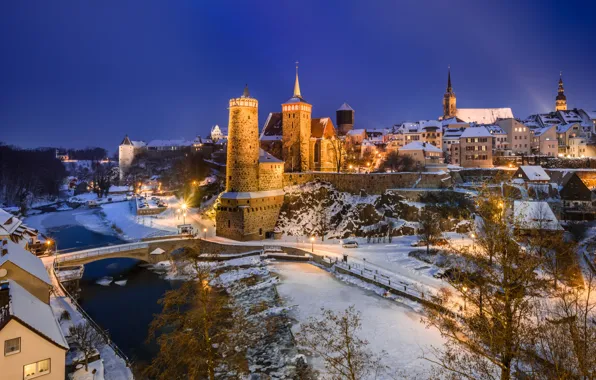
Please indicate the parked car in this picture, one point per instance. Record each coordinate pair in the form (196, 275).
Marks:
(350, 244)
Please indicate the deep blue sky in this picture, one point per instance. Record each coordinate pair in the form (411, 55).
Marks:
(80, 73)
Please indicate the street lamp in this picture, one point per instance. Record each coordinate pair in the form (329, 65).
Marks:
(49, 243)
(312, 242)
(464, 290)
(205, 232)
(473, 236)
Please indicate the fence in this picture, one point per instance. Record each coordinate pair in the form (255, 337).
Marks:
(89, 320)
(99, 252)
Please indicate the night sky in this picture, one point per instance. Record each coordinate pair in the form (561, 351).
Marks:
(84, 73)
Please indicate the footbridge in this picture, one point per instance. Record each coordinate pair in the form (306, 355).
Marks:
(154, 250)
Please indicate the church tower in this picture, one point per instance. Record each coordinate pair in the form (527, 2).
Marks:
(561, 100)
(242, 168)
(449, 100)
(296, 122)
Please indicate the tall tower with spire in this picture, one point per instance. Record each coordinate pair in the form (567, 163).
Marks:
(449, 100)
(561, 100)
(296, 122)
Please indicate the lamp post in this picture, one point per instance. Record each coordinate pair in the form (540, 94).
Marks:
(205, 232)
(465, 290)
(473, 236)
(183, 207)
(312, 242)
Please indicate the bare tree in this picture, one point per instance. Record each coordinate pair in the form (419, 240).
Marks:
(333, 337)
(338, 146)
(566, 335)
(205, 332)
(397, 163)
(496, 325)
(429, 231)
(87, 339)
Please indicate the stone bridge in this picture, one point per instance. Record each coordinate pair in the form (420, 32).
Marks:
(152, 250)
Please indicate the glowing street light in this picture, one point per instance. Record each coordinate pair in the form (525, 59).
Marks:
(205, 232)
(465, 290)
(312, 242)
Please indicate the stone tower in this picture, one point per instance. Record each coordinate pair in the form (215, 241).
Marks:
(126, 154)
(296, 122)
(242, 169)
(449, 100)
(561, 100)
(344, 118)
(249, 208)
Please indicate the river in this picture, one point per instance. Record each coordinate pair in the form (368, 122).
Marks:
(124, 311)
(127, 310)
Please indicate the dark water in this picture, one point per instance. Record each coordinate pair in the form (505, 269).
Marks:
(125, 311)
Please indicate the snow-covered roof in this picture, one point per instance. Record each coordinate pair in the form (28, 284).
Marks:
(13, 227)
(541, 131)
(33, 313)
(138, 143)
(355, 132)
(252, 194)
(166, 143)
(476, 132)
(417, 145)
(268, 157)
(495, 130)
(483, 115)
(570, 116)
(453, 133)
(345, 107)
(8, 223)
(562, 128)
(119, 189)
(535, 215)
(452, 120)
(535, 173)
(24, 260)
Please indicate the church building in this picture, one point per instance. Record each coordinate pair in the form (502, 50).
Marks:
(470, 115)
(303, 143)
(561, 99)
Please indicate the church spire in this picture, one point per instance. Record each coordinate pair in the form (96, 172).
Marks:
(449, 89)
(449, 100)
(245, 93)
(561, 99)
(297, 85)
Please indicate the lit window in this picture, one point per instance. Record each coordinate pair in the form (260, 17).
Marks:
(12, 346)
(40, 368)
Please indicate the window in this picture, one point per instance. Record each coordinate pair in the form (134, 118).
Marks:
(12, 346)
(39, 368)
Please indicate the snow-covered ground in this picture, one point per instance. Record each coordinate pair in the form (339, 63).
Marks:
(387, 325)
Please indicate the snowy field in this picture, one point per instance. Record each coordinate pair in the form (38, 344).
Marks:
(387, 325)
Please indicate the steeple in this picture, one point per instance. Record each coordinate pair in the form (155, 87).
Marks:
(449, 100)
(561, 99)
(297, 85)
(246, 94)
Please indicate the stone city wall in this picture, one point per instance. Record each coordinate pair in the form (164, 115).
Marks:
(372, 183)
(270, 176)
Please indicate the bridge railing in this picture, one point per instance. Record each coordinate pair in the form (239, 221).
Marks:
(99, 252)
(103, 333)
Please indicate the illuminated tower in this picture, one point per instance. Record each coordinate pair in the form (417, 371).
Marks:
(561, 100)
(242, 168)
(449, 100)
(296, 121)
(249, 208)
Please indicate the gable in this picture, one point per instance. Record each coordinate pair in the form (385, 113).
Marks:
(573, 188)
